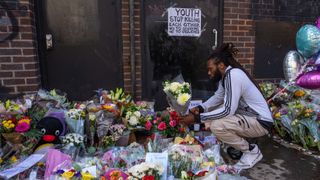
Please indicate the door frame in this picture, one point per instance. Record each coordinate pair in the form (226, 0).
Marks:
(40, 22)
(144, 55)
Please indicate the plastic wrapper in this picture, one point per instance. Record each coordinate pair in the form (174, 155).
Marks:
(75, 125)
(213, 154)
(185, 158)
(173, 95)
(158, 143)
(124, 157)
(103, 122)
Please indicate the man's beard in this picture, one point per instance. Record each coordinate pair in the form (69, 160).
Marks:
(217, 77)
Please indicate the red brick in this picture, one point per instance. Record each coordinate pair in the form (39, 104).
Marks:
(245, 28)
(33, 80)
(226, 21)
(6, 74)
(10, 52)
(249, 44)
(241, 22)
(29, 52)
(22, 44)
(26, 73)
(31, 66)
(28, 88)
(230, 39)
(5, 59)
(231, 4)
(26, 22)
(231, 16)
(13, 81)
(230, 27)
(245, 39)
(27, 36)
(11, 67)
(238, 33)
(4, 44)
(24, 59)
(3, 29)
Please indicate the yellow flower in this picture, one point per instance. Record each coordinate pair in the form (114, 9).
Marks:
(183, 98)
(1, 160)
(87, 176)
(277, 115)
(13, 159)
(107, 107)
(299, 93)
(68, 174)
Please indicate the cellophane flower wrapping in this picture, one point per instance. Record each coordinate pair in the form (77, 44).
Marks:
(178, 94)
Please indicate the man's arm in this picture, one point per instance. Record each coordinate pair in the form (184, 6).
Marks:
(233, 89)
(215, 100)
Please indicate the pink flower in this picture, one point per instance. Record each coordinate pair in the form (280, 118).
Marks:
(172, 123)
(154, 121)
(22, 127)
(148, 125)
(162, 126)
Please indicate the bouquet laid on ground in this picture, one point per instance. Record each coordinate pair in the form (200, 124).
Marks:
(75, 118)
(145, 171)
(296, 115)
(135, 116)
(178, 95)
(116, 131)
(55, 97)
(166, 124)
(14, 107)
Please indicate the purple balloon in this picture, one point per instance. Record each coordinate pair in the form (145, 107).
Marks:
(318, 22)
(310, 80)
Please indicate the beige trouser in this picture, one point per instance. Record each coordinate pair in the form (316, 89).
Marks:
(231, 130)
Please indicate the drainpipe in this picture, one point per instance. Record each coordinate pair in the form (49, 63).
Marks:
(132, 51)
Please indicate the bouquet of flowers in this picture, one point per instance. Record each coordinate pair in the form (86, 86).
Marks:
(166, 124)
(135, 116)
(116, 131)
(296, 116)
(75, 118)
(267, 89)
(59, 99)
(14, 107)
(178, 95)
(15, 129)
(145, 171)
(73, 139)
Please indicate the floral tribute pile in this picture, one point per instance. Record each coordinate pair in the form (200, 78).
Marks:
(46, 136)
(296, 112)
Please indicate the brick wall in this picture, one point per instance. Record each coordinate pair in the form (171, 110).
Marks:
(126, 46)
(240, 17)
(19, 67)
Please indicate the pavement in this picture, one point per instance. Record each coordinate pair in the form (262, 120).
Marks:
(280, 162)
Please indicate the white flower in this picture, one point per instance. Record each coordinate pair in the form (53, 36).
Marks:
(82, 106)
(174, 86)
(183, 98)
(137, 113)
(133, 121)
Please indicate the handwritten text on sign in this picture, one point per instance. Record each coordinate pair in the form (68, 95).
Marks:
(184, 22)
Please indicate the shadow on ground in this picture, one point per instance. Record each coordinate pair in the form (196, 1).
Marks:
(281, 163)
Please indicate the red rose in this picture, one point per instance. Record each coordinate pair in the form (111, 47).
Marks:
(148, 178)
(148, 125)
(162, 126)
(173, 123)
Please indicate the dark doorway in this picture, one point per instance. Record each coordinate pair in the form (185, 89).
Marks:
(86, 45)
(164, 56)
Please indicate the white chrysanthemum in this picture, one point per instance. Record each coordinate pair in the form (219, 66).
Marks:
(137, 113)
(174, 86)
(183, 99)
(133, 121)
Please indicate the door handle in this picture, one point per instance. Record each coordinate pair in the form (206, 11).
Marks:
(49, 42)
(215, 32)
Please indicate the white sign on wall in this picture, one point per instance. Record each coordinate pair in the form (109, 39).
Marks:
(184, 22)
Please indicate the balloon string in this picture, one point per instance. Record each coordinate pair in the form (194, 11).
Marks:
(290, 83)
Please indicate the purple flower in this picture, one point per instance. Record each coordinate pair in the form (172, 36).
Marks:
(60, 171)
(78, 174)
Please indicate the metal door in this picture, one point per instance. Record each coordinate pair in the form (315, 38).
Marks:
(80, 45)
(166, 56)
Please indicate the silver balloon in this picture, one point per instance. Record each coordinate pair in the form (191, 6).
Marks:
(292, 64)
